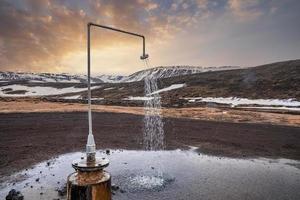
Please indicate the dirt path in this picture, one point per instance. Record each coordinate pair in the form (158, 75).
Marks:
(202, 113)
(27, 138)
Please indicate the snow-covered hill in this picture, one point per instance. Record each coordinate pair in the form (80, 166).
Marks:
(158, 72)
(166, 72)
(43, 77)
(110, 78)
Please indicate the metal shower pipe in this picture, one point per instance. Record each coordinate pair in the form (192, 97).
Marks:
(91, 147)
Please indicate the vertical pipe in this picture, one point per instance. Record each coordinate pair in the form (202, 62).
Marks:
(90, 146)
(89, 78)
(144, 48)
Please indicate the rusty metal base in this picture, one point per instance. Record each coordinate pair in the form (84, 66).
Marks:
(84, 165)
(89, 186)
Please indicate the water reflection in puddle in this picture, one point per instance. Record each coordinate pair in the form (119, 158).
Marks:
(169, 175)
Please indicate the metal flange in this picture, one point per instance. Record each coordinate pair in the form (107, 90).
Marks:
(84, 166)
(144, 56)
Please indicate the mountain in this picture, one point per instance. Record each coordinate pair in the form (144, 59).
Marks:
(43, 77)
(158, 72)
(275, 84)
(167, 72)
(270, 84)
(110, 78)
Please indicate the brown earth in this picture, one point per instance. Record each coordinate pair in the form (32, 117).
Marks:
(203, 113)
(27, 138)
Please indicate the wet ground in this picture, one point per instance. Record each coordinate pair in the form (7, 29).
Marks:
(29, 138)
(175, 174)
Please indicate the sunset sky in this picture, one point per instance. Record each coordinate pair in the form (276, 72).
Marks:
(50, 35)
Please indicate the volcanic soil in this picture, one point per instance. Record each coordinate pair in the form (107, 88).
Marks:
(31, 137)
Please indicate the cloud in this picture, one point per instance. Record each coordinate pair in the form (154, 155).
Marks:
(246, 9)
(50, 35)
(36, 39)
(38, 34)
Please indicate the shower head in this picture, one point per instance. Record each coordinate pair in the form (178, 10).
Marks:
(91, 146)
(144, 56)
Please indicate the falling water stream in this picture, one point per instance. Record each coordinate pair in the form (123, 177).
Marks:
(153, 139)
(153, 124)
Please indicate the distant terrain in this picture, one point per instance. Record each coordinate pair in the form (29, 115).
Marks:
(227, 111)
(271, 85)
(158, 72)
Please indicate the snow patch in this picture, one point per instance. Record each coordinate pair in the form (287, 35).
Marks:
(36, 81)
(273, 108)
(111, 88)
(97, 98)
(138, 98)
(171, 87)
(72, 97)
(38, 90)
(235, 101)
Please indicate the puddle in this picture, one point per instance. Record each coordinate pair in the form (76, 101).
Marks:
(174, 174)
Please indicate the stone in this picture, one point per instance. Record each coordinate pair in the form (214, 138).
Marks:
(14, 195)
(115, 187)
(62, 191)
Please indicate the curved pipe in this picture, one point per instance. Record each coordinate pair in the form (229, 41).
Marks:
(91, 147)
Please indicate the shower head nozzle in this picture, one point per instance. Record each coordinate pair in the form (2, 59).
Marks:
(145, 56)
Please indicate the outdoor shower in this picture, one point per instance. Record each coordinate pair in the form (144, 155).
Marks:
(90, 181)
(90, 146)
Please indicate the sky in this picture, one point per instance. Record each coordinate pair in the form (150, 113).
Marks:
(50, 35)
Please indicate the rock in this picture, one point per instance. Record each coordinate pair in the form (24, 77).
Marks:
(107, 151)
(37, 180)
(62, 191)
(14, 195)
(115, 187)
(122, 191)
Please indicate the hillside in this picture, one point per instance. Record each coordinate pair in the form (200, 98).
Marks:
(173, 71)
(272, 81)
(276, 80)
(275, 84)
(158, 72)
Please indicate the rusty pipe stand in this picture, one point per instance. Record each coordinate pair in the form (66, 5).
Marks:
(90, 181)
